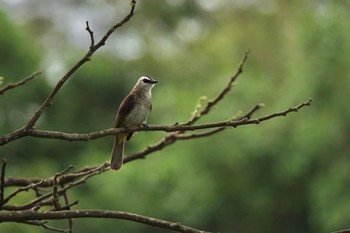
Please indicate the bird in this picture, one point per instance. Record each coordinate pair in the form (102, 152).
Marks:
(132, 112)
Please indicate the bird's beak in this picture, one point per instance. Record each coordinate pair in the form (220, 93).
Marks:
(154, 81)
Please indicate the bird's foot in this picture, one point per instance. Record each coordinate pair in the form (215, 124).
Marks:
(144, 126)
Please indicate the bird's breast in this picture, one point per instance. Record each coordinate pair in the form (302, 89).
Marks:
(138, 115)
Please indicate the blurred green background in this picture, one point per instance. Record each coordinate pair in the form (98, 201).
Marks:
(285, 175)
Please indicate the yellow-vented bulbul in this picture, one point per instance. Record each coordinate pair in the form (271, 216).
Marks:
(132, 112)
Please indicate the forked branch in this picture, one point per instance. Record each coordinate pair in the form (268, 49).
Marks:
(19, 83)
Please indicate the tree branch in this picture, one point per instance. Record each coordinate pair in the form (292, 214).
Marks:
(20, 216)
(65, 179)
(55, 195)
(171, 128)
(2, 183)
(166, 141)
(67, 207)
(30, 185)
(171, 138)
(19, 83)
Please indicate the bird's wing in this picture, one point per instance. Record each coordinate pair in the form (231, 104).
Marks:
(124, 109)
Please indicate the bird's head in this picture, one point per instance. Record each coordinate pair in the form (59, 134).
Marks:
(146, 83)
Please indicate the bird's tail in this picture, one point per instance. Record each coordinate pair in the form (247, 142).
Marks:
(118, 151)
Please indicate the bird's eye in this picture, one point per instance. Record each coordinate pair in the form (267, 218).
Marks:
(145, 80)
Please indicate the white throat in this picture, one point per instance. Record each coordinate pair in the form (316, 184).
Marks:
(148, 93)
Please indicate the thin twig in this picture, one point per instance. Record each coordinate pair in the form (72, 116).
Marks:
(44, 225)
(55, 199)
(91, 33)
(248, 115)
(200, 135)
(118, 25)
(19, 83)
(22, 189)
(73, 176)
(67, 207)
(48, 198)
(55, 196)
(166, 141)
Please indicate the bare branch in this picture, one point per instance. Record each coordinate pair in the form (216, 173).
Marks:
(284, 113)
(200, 135)
(247, 116)
(19, 83)
(172, 128)
(69, 205)
(20, 181)
(91, 33)
(44, 225)
(48, 199)
(20, 216)
(118, 25)
(65, 179)
(250, 113)
(31, 185)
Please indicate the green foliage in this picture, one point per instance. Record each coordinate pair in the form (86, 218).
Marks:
(20, 57)
(285, 175)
